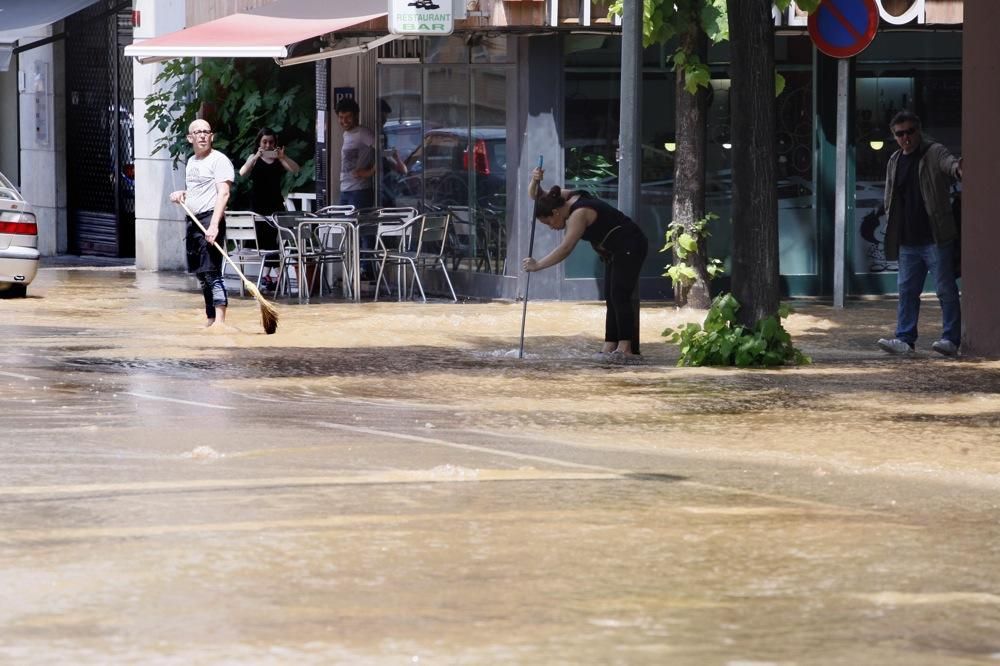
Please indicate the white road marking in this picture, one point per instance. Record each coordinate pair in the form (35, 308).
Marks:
(18, 376)
(470, 447)
(609, 470)
(383, 478)
(148, 396)
(17, 536)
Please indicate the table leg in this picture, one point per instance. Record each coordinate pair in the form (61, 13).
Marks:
(301, 277)
(356, 278)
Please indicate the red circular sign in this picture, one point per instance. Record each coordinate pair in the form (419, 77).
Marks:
(843, 28)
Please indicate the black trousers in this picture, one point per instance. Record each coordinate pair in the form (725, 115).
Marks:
(621, 282)
(205, 261)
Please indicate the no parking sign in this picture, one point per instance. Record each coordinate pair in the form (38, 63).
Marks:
(844, 28)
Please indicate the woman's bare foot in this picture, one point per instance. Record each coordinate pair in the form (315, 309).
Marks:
(617, 357)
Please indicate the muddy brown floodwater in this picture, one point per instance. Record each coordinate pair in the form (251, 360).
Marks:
(387, 483)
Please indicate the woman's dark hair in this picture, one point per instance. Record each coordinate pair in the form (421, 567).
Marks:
(546, 204)
(266, 131)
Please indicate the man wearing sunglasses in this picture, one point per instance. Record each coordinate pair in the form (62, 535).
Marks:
(921, 233)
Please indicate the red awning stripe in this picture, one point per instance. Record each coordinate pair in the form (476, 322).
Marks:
(241, 36)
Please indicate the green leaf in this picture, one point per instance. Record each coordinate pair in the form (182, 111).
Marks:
(769, 328)
(688, 242)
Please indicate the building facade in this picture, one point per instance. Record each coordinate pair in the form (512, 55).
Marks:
(471, 113)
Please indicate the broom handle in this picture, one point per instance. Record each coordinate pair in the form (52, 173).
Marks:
(527, 282)
(225, 255)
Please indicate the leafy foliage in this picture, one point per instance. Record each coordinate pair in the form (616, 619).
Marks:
(685, 242)
(588, 166)
(238, 98)
(662, 20)
(721, 341)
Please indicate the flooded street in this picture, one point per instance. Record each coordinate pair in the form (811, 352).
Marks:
(389, 484)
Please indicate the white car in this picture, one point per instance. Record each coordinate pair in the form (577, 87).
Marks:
(18, 241)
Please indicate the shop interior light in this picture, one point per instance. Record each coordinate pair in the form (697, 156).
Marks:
(877, 145)
(670, 146)
(727, 145)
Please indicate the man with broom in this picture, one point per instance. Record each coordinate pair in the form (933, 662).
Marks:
(208, 176)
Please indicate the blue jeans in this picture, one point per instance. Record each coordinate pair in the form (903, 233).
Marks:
(914, 263)
(362, 199)
(358, 198)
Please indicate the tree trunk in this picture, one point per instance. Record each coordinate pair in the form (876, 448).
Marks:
(755, 202)
(689, 167)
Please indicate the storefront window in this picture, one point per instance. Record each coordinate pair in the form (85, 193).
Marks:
(451, 49)
(485, 50)
(593, 92)
(454, 146)
(401, 107)
(592, 111)
(797, 221)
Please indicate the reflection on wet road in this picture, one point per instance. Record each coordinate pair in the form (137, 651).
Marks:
(386, 483)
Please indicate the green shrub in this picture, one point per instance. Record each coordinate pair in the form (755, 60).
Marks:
(239, 97)
(722, 341)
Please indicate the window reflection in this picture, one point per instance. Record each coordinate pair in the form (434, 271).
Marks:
(453, 143)
(592, 104)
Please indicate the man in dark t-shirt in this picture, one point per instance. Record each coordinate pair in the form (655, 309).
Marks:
(921, 233)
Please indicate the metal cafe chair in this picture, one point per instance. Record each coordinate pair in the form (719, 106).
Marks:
(242, 245)
(381, 225)
(302, 259)
(461, 244)
(337, 210)
(432, 247)
(402, 212)
(417, 244)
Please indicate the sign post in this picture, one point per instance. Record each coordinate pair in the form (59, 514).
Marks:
(842, 29)
(421, 17)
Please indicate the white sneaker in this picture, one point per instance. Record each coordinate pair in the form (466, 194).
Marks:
(945, 347)
(895, 346)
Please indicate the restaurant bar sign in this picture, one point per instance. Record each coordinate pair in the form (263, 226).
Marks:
(421, 17)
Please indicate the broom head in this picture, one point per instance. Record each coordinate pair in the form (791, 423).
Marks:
(268, 313)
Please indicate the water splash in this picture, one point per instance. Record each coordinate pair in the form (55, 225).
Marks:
(203, 453)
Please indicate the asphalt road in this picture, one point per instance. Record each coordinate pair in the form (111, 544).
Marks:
(386, 483)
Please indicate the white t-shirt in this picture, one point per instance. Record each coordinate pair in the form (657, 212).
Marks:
(358, 152)
(201, 176)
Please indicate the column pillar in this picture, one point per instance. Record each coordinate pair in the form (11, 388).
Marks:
(159, 227)
(42, 131)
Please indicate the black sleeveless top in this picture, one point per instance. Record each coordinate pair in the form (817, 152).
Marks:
(265, 187)
(612, 228)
